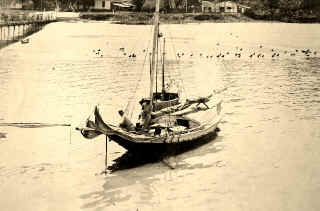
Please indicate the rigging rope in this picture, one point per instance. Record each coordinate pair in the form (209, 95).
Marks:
(127, 110)
(125, 63)
(130, 113)
(175, 56)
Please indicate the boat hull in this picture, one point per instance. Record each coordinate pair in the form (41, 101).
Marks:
(165, 147)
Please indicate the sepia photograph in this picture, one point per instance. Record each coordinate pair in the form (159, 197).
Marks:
(162, 105)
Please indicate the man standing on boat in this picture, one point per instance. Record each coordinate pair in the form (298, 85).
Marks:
(145, 116)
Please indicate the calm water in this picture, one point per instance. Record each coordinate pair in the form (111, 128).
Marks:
(266, 156)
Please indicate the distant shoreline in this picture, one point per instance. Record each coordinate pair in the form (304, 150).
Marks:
(144, 18)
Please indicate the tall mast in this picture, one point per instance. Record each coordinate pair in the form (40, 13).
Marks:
(163, 54)
(156, 68)
(154, 47)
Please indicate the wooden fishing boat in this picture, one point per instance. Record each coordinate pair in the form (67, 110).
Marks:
(178, 129)
(172, 123)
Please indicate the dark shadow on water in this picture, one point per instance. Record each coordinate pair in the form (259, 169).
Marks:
(131, 160)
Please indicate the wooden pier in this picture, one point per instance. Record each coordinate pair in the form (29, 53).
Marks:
(12, 31)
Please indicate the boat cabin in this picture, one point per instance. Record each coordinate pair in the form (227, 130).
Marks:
(164, 100)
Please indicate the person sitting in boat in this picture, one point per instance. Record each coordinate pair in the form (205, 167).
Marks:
(204, 100)
(199, 100)
(145, 116)
(125, 122)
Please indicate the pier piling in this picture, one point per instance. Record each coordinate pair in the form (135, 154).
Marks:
(14, 28)
(23, 28)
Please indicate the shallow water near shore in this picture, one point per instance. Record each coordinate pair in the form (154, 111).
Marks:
(264, 158)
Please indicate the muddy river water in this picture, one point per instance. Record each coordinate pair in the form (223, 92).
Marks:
(266, 156)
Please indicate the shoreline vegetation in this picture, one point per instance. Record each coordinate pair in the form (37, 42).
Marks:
(144, 18)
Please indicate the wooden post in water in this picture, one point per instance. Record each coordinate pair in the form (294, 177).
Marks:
(106, 158)
(21, 34)
(14, 27)
(1, 34)
(18, 32)
(8, 34)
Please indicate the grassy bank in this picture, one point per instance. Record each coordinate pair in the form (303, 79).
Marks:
(146, 18)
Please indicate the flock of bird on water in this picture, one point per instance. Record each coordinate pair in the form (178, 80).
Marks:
(237, 54)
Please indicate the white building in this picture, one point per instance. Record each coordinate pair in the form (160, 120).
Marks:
(113, 4)
(17, 4)
(242, 8)
(223, 7)
(102, 4)
(208, 6)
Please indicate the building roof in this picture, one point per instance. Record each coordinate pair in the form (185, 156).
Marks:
(122, 3)
(208, 2)
(243, 6)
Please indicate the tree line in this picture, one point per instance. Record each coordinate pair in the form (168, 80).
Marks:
(259, 6)
(286, 10)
